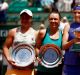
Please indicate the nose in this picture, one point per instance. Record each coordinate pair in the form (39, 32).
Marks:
(77, 14)
(52, 20)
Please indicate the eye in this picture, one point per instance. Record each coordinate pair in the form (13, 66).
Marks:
(76, 12)
(50, 18)
(53, 18)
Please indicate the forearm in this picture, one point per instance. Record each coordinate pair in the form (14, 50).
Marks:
(68, 44)
(6, 52)
(38, 44)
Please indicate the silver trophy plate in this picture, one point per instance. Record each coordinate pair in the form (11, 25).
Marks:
(23, 55)
(50, 55)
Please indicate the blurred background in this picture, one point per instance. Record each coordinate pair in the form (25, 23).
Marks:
(9, 16)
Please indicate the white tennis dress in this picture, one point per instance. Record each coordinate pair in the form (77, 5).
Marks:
(25, 38)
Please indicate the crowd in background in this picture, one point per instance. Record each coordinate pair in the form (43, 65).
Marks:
(62, 6)
(47, 5)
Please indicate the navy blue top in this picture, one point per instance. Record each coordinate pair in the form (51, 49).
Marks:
(3, 16)
(70, 57)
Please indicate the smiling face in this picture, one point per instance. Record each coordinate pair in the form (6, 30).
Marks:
(54, 20)
(76, 14)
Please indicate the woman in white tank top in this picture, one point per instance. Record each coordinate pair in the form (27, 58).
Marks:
(24, 34)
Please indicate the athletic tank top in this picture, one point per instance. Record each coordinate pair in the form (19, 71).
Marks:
(48, 40)
(26, 38)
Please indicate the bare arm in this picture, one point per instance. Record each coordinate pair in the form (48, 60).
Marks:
(66, 43)
(65, 34)
(8, 43)
(40, 36)
(65, 37)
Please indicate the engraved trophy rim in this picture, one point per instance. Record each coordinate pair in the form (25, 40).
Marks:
(56, 49)
(17, 50)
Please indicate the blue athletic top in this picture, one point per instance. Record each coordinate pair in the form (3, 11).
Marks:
(71, 57)
(48, 40)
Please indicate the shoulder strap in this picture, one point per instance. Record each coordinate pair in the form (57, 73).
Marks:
(18, 29)
(46, 33)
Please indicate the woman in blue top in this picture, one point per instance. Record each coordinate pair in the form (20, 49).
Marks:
(51, 35)
(72, 58)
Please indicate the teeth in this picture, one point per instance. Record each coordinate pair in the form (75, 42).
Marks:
(54, 26)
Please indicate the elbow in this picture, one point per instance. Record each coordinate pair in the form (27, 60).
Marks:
(64, 46)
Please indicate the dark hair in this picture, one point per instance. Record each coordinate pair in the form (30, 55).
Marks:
(56, 11)
(73, 4)
(54, 8)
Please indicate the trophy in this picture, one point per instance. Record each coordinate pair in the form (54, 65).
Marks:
(50, 55)
(23, 55)
(76, 46)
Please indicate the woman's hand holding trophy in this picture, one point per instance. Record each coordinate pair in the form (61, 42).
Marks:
(76, 45)
(77, 35)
